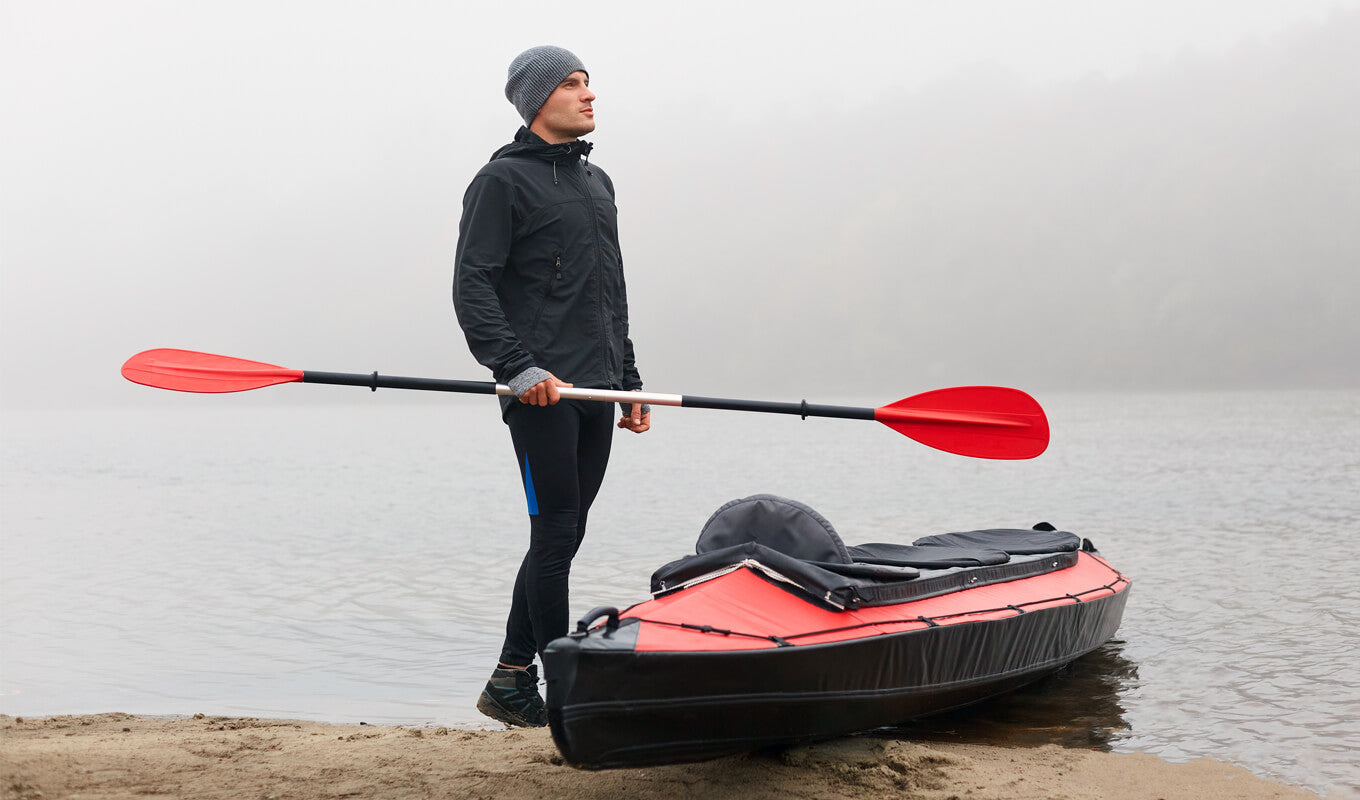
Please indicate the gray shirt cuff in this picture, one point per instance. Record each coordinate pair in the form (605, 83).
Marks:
(527, 380)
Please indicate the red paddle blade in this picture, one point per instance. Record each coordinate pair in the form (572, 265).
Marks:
(188, 371)
(977, 421)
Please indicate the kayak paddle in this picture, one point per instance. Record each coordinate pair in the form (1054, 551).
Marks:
(977, 421)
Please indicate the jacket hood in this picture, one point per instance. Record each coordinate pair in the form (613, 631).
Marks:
(528, 143)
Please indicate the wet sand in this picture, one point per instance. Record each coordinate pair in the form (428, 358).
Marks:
(125, 756)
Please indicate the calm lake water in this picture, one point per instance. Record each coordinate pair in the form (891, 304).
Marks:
(239, 555)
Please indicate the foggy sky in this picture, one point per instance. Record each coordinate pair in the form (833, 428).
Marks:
(875, 197)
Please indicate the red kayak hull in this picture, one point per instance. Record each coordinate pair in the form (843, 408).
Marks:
(740, 661)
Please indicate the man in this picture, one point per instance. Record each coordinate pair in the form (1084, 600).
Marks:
(539, 291)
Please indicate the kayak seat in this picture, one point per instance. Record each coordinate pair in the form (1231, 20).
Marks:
(794, 529)
(801, 551)
(781, 524)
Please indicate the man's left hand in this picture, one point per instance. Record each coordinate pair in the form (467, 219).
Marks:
(637, 422)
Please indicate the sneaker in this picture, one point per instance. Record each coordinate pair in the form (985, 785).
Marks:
(512, 697)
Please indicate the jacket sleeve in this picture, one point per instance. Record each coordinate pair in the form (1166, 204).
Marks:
(485, 233)
(631, 379)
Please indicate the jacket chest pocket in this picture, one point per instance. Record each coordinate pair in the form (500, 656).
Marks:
(555, 268)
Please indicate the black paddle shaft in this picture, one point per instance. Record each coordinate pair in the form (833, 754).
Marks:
(375, 382)
(803, 409)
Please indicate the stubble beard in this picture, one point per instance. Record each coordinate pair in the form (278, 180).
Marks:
(570, 129)
(584, 127)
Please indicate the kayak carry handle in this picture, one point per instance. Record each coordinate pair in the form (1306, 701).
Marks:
(611, 624)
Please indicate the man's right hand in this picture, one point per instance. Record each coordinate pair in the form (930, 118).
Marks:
(544, 393)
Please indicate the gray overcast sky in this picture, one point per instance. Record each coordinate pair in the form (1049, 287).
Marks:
(814, 196)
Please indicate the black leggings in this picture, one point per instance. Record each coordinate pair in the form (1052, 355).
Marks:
(562, 452)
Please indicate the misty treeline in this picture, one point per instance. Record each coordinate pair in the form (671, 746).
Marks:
(1196, 225)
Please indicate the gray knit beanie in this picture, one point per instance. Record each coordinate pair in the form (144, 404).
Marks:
(534, 74)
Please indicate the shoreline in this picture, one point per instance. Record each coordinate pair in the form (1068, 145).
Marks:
(117, 755)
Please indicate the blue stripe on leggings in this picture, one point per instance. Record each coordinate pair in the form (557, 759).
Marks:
(529, 488)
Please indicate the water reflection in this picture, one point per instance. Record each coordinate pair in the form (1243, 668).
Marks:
(1078, 706)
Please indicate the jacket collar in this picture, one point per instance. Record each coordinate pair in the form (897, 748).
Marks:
(528, 143)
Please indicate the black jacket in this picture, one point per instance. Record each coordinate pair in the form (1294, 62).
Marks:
(539, 279)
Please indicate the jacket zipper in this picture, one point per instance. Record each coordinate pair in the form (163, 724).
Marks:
(606, 328)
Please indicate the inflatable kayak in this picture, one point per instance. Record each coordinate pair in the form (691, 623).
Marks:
(776, 632)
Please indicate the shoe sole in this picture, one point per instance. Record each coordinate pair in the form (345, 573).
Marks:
(488, 706)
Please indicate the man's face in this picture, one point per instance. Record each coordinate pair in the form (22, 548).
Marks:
(568, 114)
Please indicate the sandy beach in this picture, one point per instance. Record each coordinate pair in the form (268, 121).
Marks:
(126, 756)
